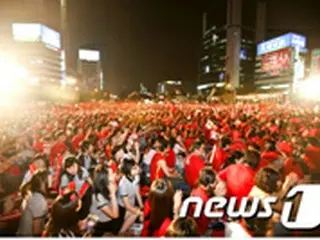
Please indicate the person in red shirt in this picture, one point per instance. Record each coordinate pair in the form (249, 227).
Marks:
(207, 181)
(270, 154)
(238, 179)
(78, 138)
(220, 154)
(158, 166)
(170, 154)
(194, 163)
(58, 148)
(158, 209)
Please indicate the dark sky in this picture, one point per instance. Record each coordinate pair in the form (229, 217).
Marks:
(153, 40)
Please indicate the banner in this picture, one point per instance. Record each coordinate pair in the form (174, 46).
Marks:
(276, 61)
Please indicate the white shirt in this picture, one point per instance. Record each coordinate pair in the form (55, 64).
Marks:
(148, 157)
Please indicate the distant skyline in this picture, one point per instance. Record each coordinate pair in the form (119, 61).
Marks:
(148, 41)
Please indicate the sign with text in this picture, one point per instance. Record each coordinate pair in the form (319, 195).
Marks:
(278, 60)
(284, 41)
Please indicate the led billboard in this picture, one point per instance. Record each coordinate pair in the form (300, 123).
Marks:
(89, 55)
(277, 60)
(35, 32)
(50, 37)
(284, 41)
(26, 32)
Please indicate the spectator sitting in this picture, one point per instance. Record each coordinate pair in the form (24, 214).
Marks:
(34, 207)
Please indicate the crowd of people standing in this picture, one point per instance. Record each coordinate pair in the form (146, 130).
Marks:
(98, 169)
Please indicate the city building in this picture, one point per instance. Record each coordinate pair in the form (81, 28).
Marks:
(170, 87)
(90, 69)
(29, 31)
(217, 63)
(281, 63)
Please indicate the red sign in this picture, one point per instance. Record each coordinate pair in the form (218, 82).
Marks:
(278, 60)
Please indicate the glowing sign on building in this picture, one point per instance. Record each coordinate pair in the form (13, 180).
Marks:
(284, 41)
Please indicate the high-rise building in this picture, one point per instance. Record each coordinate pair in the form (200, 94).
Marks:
(90, 69)
(216, 60)
(30, 32)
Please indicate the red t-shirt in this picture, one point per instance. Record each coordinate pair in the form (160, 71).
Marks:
(267, 158)
(155, 171)
(311, 158)
(239, 180)
(219, 159)
(188, 143)
(193, 164)
(58, 148)
(171, 159)
(202, 221)
(38, 146)
(76, 141)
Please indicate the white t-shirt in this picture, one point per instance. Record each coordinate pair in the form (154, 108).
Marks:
(127, 188)
(79, 182)
(235, 230)
(35, 207)
(98, 202)
(148, 157)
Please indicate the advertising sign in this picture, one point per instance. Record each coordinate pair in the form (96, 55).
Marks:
(315, 62)
(35, 32)
(279, 60)
(89, 55)
(284, 41)
(26, 32)
(50, 37)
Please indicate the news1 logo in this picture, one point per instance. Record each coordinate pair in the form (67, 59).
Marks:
(307, 217)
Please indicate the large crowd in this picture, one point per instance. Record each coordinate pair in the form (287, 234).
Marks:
(124, 169)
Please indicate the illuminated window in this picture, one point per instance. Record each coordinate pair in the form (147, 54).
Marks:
(207, 69)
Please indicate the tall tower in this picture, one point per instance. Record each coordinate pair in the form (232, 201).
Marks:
(204, 24)
(234, 17)
(64, 31)
(261, 21)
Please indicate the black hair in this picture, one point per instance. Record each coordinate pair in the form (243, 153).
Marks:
(127, 166)
(225, 141)
(64, 215)
(35, 185)
(84, 146)
(252, 158)
(101, 181)
(207, 177)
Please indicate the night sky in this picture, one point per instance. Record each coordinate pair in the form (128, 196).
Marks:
(149, 41)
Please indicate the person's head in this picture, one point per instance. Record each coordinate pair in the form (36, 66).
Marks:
(38, 184)
(60, 136)
(130, 168)
(207, 180)
(103, 176)
(225, 143)
(64, 214)
(183, 227)
(252, 158)
(268, 180)
(199, 148)
(257, 226)
(270, 146)
(86, 147)
(161, 202)
(71, 166)
(40, 161)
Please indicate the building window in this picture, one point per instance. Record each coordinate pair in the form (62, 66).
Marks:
(207, 69)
